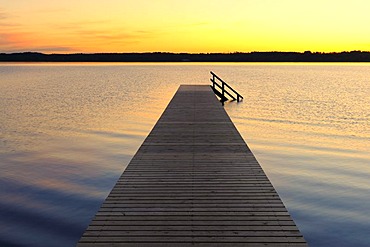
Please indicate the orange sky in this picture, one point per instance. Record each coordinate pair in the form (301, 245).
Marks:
(90, 26)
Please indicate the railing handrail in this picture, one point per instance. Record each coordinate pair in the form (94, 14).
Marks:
(216, 76)
(223, 86)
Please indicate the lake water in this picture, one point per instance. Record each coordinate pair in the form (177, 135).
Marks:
(68, 130)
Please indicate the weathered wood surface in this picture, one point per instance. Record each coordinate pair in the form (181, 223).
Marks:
(193, 182)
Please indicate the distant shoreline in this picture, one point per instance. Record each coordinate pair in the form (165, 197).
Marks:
(352, 56)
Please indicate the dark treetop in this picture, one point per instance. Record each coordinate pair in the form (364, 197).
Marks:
(353, 56)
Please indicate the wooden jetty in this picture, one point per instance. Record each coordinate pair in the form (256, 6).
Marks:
(193, 182)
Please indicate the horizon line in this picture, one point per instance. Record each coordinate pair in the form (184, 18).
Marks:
(189, 53)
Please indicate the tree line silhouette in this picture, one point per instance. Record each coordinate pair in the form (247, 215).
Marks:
(307, 56)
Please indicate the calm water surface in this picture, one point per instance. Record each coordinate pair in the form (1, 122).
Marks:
(67, 131)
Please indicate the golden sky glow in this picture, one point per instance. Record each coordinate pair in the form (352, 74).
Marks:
(69, 26)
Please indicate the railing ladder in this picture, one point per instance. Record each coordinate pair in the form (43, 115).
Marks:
(223, 88)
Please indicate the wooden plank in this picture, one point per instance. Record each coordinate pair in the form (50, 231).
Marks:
(192, 233)
(193, 182)
(178, 244)
(192, 228)
(210, 239)
(218, 214)
(219, 224)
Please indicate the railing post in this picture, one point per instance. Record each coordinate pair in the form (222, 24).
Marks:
(223, 89)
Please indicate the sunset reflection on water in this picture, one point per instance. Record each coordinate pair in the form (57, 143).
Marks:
(69, 130)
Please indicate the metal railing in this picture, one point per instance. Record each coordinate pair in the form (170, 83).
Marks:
(224, 86)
